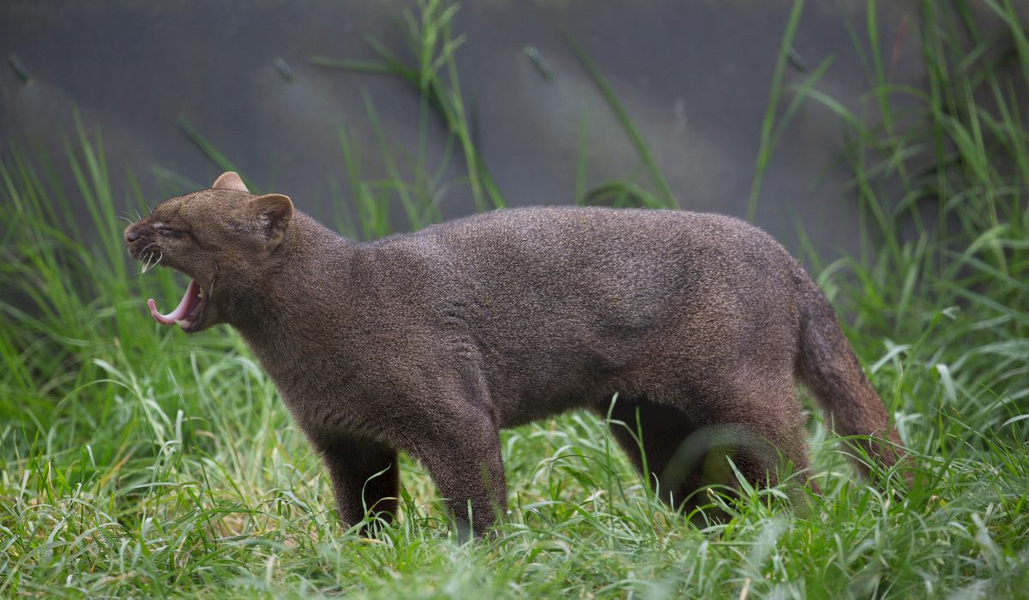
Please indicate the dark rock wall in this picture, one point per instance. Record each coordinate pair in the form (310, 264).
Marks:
(694, 76)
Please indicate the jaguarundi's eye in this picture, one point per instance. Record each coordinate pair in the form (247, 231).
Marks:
(167, 231)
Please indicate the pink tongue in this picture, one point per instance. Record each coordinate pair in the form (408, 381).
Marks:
(180, 311)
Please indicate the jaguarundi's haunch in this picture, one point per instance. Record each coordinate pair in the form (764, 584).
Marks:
(430, 342)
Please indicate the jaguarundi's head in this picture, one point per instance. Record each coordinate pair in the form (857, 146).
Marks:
(224, 239)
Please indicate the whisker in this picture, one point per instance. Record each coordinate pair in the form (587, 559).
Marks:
(158, 261)
(126, 219)
(146, 264)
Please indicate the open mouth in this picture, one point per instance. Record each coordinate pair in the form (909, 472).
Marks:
(187, 313)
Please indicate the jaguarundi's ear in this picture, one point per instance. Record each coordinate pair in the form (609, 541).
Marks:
(273, 213)
(229, 180)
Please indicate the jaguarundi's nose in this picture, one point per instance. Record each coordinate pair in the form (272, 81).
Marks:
(131, 233)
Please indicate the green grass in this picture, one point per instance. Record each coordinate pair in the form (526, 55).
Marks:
(136, 461)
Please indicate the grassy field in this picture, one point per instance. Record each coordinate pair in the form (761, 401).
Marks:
(136, 461)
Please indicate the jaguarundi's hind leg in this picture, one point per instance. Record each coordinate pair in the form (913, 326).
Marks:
(673, 459)
(762, 431)
(684, 453)
(365, 476)
(760, 454)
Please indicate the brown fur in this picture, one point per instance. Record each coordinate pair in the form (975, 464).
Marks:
(431, 342)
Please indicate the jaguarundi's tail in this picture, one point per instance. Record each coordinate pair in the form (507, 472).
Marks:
(827, 365)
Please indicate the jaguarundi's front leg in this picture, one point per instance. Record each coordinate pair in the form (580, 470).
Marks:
(365, 477)
(462, 454)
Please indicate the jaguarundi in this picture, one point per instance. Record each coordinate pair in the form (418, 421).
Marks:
(430, 342)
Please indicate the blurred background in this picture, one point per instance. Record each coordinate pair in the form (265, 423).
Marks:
(726, 106)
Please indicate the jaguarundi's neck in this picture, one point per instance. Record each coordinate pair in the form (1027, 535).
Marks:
(308, 275)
